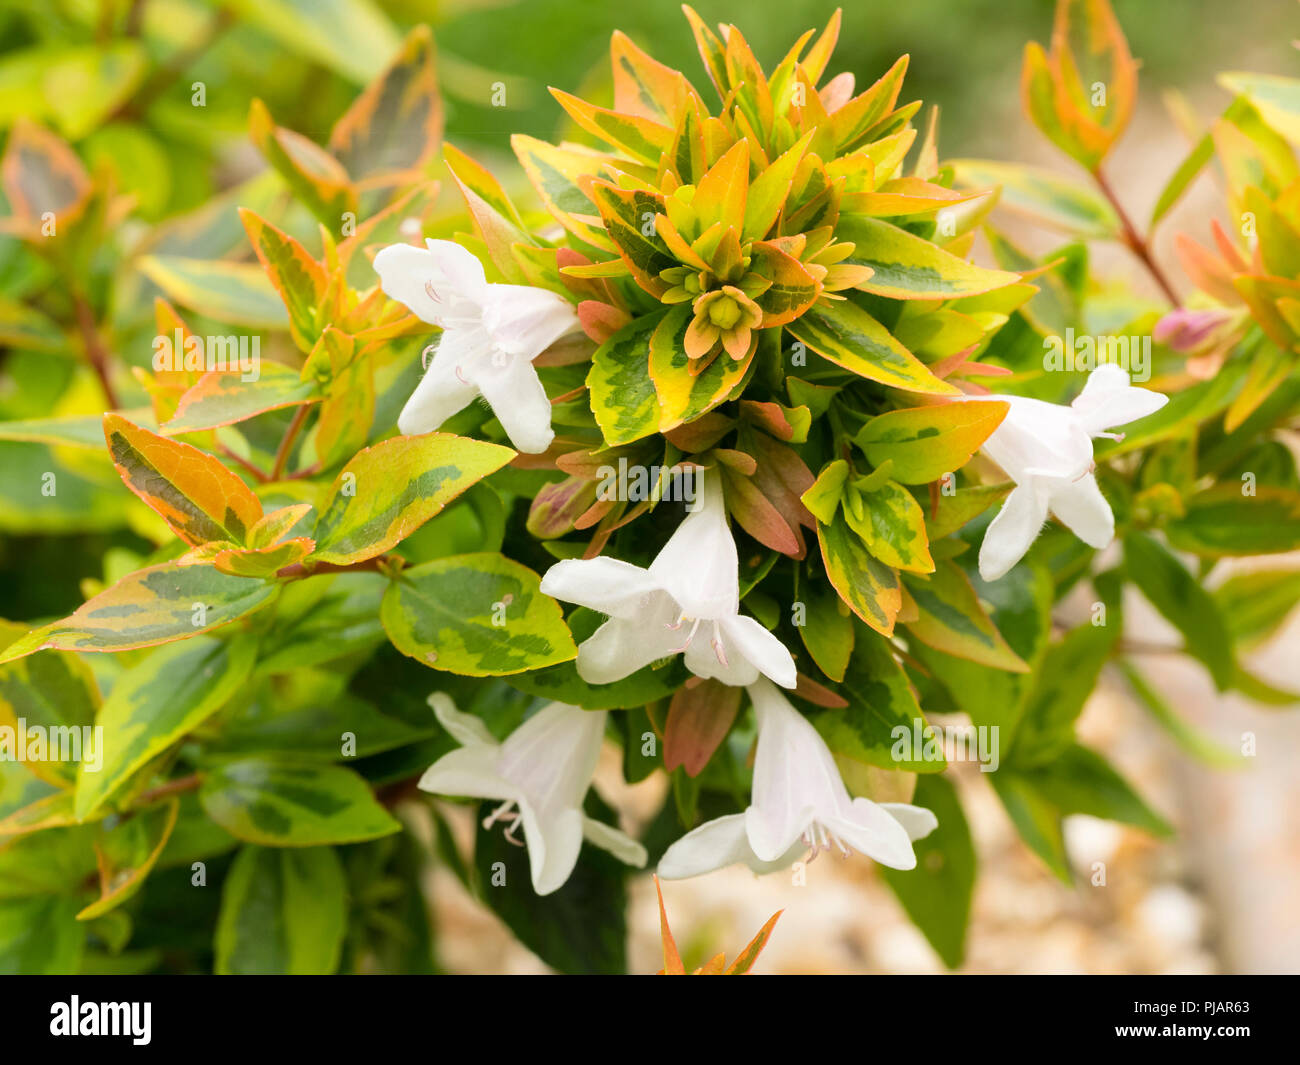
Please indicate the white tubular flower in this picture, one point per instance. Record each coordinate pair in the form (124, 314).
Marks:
(541, 772)
(490, 336)
(799, 804)
(687, 602)
(1046, 448)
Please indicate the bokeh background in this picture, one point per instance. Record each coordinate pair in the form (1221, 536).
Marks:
(1220, 897)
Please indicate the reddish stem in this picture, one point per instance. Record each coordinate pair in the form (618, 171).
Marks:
(1134, 241)
(96, 352)
(286, 445)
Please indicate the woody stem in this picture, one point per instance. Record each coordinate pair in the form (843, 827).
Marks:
(1133, 240)
(96, 352)
(286, 444)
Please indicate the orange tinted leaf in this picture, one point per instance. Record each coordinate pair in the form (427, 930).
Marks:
(745, 960)
(298, 278)
(223, 398)
(42, 173)
(672, 960)
(640, 138)
(394, 126)
(698, 721)
(315, 176)
(193, 492)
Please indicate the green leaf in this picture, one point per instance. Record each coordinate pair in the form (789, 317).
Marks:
(40, 936)
(126, 855)
(1080, 781)
(77, 87)
(283, 804)
(845, 334)
(157, 702)
(388, 491)
(1022, 604)
(323, 618)
(299, 279)
(151, 606)
(881, 704)
(76, 431)
(623, 395)
(282, 912)
(891, 524)
(951, 620)
(1036, 819)
(1043, 196)
(1277, 99)
(237, 293)
(827, 631)
(869, 587)
(1221, 522)
(51, 691)
(1199, 746)
(579, 929)
(477, 615)
(354, 38)
(937, 893)
(684, 396)
(924, 443)
(314, 176)
(395, 125)
(1254, 605)
(1181, 599)
(908, 267)
(226, 398)
(1066, 677)
(963, 505)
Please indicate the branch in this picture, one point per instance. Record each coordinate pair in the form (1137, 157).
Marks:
(96, 352)
(1134, 241)
(286, 444)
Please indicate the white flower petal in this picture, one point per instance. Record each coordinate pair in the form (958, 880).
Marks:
(610, 585)
(699, 566)
(1010, 533)
(1084, 510)
(515, 393)
(443, 391)
(771, 657)
(554, 842)
(1038, 435)
(552, 756)
(873, 831)
(468, 771)
(465, 729)
(615, 842)
(434, 283)
(1108, 400)
(917, 821)
(796, 781)
(622, 646)
(525, 321)
(729, 667)
(713, 845)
